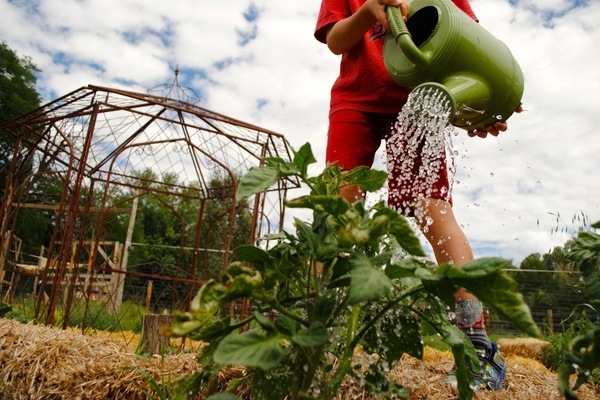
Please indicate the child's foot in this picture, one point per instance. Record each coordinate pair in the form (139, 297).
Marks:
(493, 369)
(492, 372)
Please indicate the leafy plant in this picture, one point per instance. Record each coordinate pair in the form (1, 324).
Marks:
(354, 276)
(582, 355)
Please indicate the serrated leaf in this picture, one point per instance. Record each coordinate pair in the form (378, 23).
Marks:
(334, 205)
(258, 257)
(400, 334)
(493, 286)
(286, 325)
(264, 322)
(369, 180)
(323, 307)
(251, 350)
(401, 230)
(257, 179)
(306, 235)
(303, 158)
(314, 335)
(465, 358)
(367, 282)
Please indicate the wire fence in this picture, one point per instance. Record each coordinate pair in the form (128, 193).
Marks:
(556, 299)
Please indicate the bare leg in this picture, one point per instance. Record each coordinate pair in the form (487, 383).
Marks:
(450, 245)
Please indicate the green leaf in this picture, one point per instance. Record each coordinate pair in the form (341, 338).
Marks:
(240, 281)
(314, 335)
(284, 168)
(584, 352)
(303, 158)
(188, 386)
(223, 396)
(264, 322)
(403, 269)
(251, 350)
(400, 229)
(369, 180)
(286, 325)
(393, 335)
(259, 258)
(257, 179)
(185, 328)
(493, 286)
(367, 282)
(307, 236)
(440, 286)
(334, 205)
(324, 306)
(275, 383)
(465, 358)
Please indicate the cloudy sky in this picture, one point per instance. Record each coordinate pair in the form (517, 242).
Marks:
(257, 60)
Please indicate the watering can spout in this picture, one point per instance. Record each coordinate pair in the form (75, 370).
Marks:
(468, 96)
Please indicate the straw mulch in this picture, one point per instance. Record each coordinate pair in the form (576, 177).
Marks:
(38, 362)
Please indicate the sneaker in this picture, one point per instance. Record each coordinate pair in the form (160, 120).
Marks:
(493, 369)
(492, 372)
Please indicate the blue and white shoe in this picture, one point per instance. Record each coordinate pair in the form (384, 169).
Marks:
(493, 369)
(492, 372)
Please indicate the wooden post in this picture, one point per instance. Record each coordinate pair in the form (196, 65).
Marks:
(153, 341)
(550, 318)
(4, 244)
(149, 295)
(119, 284)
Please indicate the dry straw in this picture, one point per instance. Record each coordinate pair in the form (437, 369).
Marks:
(37, 362)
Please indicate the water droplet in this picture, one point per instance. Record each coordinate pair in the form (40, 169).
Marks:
(416, 150)
(491, 174)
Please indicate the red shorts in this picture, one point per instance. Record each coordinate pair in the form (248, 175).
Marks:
(353, 139)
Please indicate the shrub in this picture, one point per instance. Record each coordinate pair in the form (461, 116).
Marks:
(353, 276)
(581, 353)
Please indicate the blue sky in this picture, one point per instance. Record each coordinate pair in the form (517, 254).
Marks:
(257, 61)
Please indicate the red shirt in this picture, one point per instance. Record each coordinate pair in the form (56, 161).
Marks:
(364, 83)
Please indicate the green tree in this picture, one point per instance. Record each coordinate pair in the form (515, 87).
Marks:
(166, 224)
(18, 96)
(550, 281)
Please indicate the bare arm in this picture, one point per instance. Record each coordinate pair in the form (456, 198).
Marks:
(344, 34)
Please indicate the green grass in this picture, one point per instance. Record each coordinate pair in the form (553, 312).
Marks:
(97, 316)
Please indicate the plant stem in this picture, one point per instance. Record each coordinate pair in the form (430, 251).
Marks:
(334, 383)
(384, 310)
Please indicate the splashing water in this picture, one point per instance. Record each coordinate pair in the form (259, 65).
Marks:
(418, 151)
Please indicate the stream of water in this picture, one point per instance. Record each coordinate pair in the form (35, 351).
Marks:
(419, 152)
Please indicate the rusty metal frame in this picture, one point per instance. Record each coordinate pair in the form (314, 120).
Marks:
(92, 138)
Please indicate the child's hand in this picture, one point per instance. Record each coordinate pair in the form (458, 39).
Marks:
(495, 129)
(377, 8)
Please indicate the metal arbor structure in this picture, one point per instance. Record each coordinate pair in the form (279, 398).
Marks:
(98, 158)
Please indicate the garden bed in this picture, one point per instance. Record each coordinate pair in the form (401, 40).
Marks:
(46, 363)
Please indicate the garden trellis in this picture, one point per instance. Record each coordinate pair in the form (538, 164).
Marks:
(85, 161)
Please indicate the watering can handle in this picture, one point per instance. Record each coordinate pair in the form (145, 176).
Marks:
(402, 37)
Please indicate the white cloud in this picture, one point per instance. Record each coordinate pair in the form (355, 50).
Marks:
(511, 188)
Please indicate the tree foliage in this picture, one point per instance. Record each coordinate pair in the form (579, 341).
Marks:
(18, 95)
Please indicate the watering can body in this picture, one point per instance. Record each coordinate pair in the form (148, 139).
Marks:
(442, 47)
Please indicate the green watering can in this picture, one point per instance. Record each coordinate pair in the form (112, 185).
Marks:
(441, 47)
